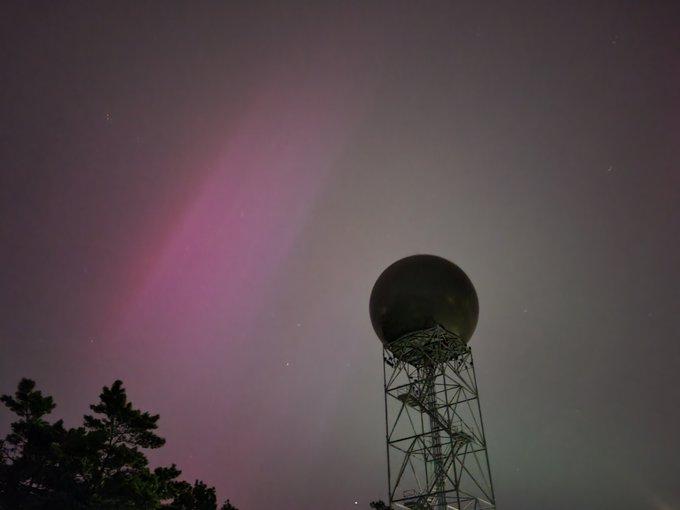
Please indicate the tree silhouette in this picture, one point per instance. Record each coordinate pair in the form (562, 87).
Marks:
(100, 465)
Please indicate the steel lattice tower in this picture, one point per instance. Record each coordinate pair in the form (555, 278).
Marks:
(436, 449)
(424, 310)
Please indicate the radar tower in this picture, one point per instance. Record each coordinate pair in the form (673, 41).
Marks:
(424, 309)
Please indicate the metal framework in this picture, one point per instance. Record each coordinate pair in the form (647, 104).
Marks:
(436, 450)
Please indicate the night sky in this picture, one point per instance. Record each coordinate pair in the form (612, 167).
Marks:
(197, 198)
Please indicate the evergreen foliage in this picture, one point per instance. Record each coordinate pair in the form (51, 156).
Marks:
(100, 465)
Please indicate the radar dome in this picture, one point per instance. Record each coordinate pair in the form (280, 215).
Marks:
(420, 292)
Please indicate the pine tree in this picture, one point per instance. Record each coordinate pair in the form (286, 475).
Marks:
(120, 432)
(30, 474)
(99, 466)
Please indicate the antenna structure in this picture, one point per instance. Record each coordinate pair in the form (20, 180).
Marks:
(436, 447)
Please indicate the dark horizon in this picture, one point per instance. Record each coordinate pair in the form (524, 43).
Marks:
(198, 198)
